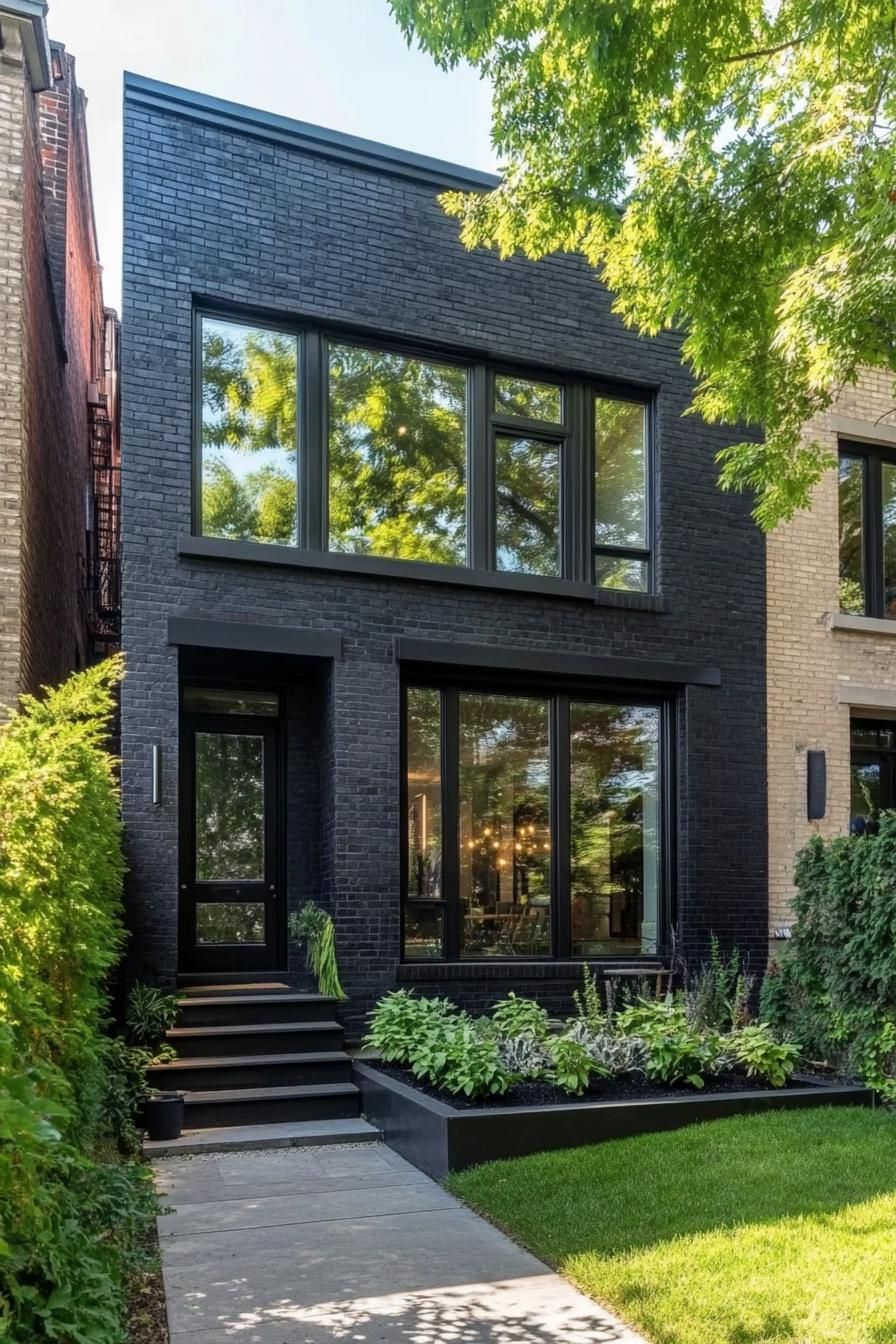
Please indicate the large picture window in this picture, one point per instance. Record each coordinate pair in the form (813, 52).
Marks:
(867, 497)
(321, 442)
(534, 825)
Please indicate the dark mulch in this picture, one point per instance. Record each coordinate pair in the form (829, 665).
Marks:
(147, 1321)
(632, 1087)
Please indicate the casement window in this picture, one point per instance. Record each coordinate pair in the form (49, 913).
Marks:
(535, 824)
(867, 485)
(310, 439)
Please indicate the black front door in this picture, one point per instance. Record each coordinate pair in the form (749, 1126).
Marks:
(230, 901)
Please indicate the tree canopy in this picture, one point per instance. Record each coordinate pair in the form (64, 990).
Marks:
(727, 167)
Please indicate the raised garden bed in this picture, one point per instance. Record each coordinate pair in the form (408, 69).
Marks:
(439, 1137)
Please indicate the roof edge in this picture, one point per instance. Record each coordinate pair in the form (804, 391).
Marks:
(319, 140)
(32, 17)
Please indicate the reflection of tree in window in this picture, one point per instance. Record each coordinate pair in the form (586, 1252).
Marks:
(527, 475)
(620, 492)
(397, 456)
(613, 826)
(851, 485)
(888, 509)
(230, 922)
(229, 807)
(249, 393)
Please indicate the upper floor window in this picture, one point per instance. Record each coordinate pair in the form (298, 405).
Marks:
(867, 490)
(330, 443)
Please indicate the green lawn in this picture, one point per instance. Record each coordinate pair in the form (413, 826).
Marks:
(755, 1230)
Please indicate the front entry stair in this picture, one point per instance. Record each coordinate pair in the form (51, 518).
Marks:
(259, 1055)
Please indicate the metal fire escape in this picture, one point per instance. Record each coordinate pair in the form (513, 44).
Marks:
(103, 557)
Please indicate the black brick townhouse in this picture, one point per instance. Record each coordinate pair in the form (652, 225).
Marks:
(433, 611)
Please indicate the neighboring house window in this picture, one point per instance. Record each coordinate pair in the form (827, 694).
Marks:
(867, 491)
(358, 447)
(872, 772)
(533, 825)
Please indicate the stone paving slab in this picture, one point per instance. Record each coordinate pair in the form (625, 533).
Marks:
(259, 1261)
(238, 1138)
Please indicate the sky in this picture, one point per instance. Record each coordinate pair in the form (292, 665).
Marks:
(338, 63)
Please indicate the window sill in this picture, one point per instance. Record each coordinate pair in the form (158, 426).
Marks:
(867, 625)
(412, 972)
(379, 567)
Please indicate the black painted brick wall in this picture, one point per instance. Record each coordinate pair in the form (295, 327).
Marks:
(213, 213)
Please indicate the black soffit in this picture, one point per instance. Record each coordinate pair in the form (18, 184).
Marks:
(501, 658)
(248, 637)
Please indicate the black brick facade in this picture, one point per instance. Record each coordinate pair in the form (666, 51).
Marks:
(214, 213)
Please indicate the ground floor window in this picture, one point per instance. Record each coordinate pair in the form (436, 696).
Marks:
(872, 772)
(534, 824)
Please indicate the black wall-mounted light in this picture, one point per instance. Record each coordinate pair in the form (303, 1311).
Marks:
(816, 785)
(156, 775)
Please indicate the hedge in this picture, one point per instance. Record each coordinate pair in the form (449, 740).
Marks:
(72, 1210)
(834, 987)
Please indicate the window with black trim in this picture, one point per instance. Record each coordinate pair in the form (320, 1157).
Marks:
(535, 824)
(867, 506)
(326, 442)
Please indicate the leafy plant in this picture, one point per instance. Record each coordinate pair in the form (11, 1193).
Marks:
(150, 1012)
(314, 927)
(587, 1001)
(612, 1054)
(571, 1065)
(72, 1213)
(717, 996)
(673, 1051)
(461, 1056)
(400, 1020)
(761, 1055)
(524, 1057)
(515, 1017)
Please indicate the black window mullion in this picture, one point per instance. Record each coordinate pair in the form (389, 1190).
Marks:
(560, 828)
(575, 491)
(451, 822)
(480, 492)
(312, 456)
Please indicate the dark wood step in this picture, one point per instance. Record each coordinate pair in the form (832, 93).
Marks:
(210, 979)
(258, 1038)
(270, 1105)
(221, 1072)
(223, 1010)
(207, 991)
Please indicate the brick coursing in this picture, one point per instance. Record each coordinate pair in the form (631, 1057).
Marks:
(212, 213)
(809, 661)
(49, 351)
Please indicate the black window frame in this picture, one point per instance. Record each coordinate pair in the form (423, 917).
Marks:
(560, 914)
(873, 456)
(574, 435)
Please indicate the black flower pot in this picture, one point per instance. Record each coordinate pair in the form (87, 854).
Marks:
(164, 1116)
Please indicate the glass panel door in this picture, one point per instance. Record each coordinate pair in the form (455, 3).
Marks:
(229, 908)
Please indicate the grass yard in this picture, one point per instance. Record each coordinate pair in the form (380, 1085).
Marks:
(754, 1230)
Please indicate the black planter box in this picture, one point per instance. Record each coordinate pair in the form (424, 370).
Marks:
(438, 1139)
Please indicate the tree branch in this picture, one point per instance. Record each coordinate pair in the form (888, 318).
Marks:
(765, 51)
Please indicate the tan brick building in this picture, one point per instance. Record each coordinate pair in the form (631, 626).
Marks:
(832, 672)
(58, 446)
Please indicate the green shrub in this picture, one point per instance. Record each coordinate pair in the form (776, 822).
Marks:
(673, 1051)
(589, 1008)
(69, 1220)
(461, 1056)
(519, 1017)
(571, 1065)
(399, 1021)
(833, 989)
(149, 1014)
(761, 1055)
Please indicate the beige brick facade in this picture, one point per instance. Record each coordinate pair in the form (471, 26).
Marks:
(819, 670)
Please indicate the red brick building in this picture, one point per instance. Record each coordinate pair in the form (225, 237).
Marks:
(58, 373)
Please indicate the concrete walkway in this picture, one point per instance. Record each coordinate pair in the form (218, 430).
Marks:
(306, 1245)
